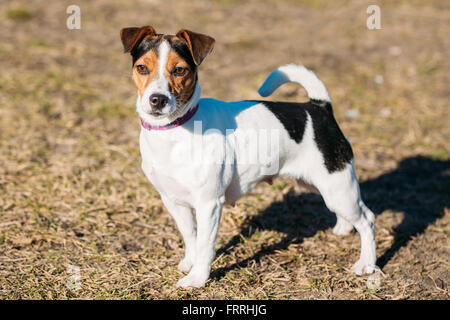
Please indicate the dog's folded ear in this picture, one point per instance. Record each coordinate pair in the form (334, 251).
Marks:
(199, 44)
(131, 37)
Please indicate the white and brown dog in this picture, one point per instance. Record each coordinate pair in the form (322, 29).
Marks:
(203, 153)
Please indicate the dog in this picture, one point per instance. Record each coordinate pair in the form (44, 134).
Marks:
(300, 140)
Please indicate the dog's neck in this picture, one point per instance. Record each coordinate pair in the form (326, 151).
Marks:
(178, 113)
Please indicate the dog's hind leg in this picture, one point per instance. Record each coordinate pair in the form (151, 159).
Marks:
(342, 227)
(340, 192)
(365, 227)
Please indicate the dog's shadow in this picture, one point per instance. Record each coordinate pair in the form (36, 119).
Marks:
(418, 187)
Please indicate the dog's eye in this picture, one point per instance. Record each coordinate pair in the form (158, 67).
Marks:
(142, 69)
(179, 71)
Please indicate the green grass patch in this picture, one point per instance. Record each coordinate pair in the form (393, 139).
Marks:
(107, 111)
(38, 43)
(428, 70)
(18, 14)
(440, 154)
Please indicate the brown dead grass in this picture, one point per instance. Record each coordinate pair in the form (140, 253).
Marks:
(72, 192)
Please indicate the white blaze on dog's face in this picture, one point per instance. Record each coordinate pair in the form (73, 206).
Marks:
(164, 68)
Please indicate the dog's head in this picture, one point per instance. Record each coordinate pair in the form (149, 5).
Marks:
(164, 68)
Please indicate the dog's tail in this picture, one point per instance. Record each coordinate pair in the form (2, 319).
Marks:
(294, 73)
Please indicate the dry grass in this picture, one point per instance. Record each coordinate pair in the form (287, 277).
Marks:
(71, 188)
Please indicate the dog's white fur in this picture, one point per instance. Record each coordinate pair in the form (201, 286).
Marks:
(194, 192)
(293, 73)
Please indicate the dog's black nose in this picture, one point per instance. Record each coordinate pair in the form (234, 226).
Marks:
(158, 101)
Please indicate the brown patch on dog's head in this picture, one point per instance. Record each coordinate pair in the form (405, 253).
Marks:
(189, 49)
(182, 77)
(145, 70)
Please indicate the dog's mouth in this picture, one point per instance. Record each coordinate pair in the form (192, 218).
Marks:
(156, 113)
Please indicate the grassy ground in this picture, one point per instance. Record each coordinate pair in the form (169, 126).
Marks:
(72, 192)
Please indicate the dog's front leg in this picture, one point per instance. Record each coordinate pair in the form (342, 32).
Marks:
(184, 218)
(208, 218)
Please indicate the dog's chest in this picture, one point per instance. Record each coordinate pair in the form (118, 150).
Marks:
(168, 185)
(162, 163)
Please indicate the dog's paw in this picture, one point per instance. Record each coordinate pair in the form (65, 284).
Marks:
(362, 267)
(342, 228)
(185, 265)
(195, 278)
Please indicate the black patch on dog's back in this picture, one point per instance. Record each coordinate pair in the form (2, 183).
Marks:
(335, 148)
(291, 115)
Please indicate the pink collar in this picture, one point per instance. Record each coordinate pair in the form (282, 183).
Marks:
(176, 123)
